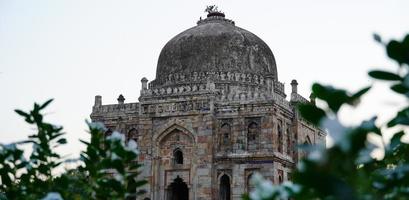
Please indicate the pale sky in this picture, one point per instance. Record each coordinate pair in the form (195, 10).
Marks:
(73, 50)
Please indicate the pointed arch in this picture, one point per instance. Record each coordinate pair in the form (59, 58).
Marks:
(175, 123)
(289, 142)
(225, 135)
(307, 140)
(253, 130)
(177, 157)
(249, 185)
(169, 130)
(280, 136)
(132, 134)
(280, 176)
(177, 190)
(224, 187)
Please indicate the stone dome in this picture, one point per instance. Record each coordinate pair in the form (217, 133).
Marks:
(216, 44)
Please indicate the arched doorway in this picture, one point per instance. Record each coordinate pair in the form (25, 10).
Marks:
(253, 131)
(178, 190)
(224, 189)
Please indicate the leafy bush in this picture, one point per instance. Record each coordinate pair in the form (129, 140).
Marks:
(108, 169)
(346, 170)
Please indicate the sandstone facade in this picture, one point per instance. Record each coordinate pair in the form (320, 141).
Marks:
(215, 114)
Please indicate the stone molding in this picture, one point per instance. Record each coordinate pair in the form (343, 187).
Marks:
(225, 86)
(203, 77)
(177, 107)
(297, 98)
(113, 108)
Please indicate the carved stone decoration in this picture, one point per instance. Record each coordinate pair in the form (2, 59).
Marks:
(210, 117)
(243, 77)
(222, 76)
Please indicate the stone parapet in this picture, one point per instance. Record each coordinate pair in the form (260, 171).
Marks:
(112, 108)
(297, 98)
(279, 88)
(282, 102)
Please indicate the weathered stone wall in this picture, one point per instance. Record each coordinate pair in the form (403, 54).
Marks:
(234, 138)
(215, 114)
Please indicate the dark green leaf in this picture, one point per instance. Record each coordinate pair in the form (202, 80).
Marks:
(398, 51)
(402, 118)
(400, 88)
(26, 115)
(384, 75)
(355, 98)
(395, 141)
(335, 98)
(360, 93)
(311, 113)
(55, 135)
(46, 104)
(62, 141)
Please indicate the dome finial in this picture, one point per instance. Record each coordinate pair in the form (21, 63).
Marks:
(213, 11)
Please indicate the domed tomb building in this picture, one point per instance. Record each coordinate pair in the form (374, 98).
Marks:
(215, 114)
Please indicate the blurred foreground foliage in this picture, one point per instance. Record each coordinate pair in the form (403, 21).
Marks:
(346, 170)
(107, 169)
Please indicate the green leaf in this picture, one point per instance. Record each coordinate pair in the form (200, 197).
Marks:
(55, 135)
(354, 99)
(46, 104)
(334, 97)
(22, 113)
(384, 75)
(395, 141)
(85, 142)
(311, 113)
(360, 93)
(399, 51)
(62, 141)
(402, 118)
(36, 108)
(400, 88)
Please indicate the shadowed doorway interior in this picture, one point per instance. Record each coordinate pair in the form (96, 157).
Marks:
(224, 187)
(178, 190)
